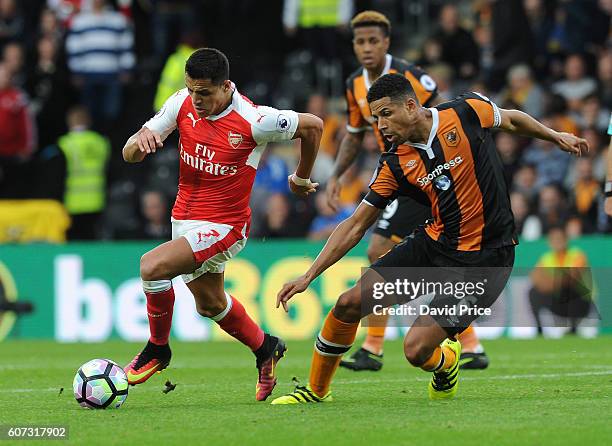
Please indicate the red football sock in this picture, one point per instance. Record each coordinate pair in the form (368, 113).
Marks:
(237, 323)
(159, 310)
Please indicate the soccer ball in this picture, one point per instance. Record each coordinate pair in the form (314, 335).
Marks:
(100, 383)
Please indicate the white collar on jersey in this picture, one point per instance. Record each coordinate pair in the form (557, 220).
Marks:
(230, 107)
(366, 78)
(432, 134)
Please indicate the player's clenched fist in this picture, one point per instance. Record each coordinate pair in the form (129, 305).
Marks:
(300, 186)
(148, 140)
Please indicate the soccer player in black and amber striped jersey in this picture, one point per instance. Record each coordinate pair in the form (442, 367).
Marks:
(457, 171)
(444, 156)
(371, 31)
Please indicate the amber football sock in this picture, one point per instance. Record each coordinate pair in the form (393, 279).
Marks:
(335, 339)
(441, 359)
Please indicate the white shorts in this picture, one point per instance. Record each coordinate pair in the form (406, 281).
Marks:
(212, 244)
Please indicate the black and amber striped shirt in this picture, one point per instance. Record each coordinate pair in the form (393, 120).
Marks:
(458, 173)
(357, 86)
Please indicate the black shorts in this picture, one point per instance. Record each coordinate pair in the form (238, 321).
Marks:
(400, 218)
(420, 258)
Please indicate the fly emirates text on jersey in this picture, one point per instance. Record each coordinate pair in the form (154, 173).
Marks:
(203, 160)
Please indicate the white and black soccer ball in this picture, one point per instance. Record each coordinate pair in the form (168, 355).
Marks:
(100, 384)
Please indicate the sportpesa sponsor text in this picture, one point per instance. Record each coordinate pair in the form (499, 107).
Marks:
(424, 181)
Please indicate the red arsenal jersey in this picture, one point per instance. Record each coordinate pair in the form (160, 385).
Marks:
(219, 154)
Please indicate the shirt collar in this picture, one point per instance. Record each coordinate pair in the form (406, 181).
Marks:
(366, 77)
(432, 134)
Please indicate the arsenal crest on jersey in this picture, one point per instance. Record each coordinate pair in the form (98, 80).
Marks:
(234, 138)
(452, 137)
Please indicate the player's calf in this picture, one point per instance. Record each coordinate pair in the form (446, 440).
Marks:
(417, 355)
(422, 340)
(348, 306)
(212, 306)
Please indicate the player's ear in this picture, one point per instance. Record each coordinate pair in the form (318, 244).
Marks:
(227, 85)
(410, 104)
(386, 42)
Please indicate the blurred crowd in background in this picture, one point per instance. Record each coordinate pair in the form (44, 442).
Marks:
(78, 77)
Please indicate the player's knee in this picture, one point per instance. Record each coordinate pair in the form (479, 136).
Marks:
(152, 268)
(416, 353)
(147, 268)
(348, 306)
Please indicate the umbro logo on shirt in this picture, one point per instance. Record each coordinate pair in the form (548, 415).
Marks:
(411, 163)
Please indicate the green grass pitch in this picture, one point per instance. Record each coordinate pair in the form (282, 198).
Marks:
(536, 392)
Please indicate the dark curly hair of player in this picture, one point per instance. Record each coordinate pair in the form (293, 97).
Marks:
(394, 86)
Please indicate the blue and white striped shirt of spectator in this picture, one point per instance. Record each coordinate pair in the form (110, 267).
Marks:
(100, 43)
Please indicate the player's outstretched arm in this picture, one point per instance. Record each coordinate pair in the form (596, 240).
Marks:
(515, 121)
(345, 236)
(347, 152)
(140, 144)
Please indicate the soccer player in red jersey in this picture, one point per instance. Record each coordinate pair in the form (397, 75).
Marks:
(222, 137)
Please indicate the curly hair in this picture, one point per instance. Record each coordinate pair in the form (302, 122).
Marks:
(395, 86)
